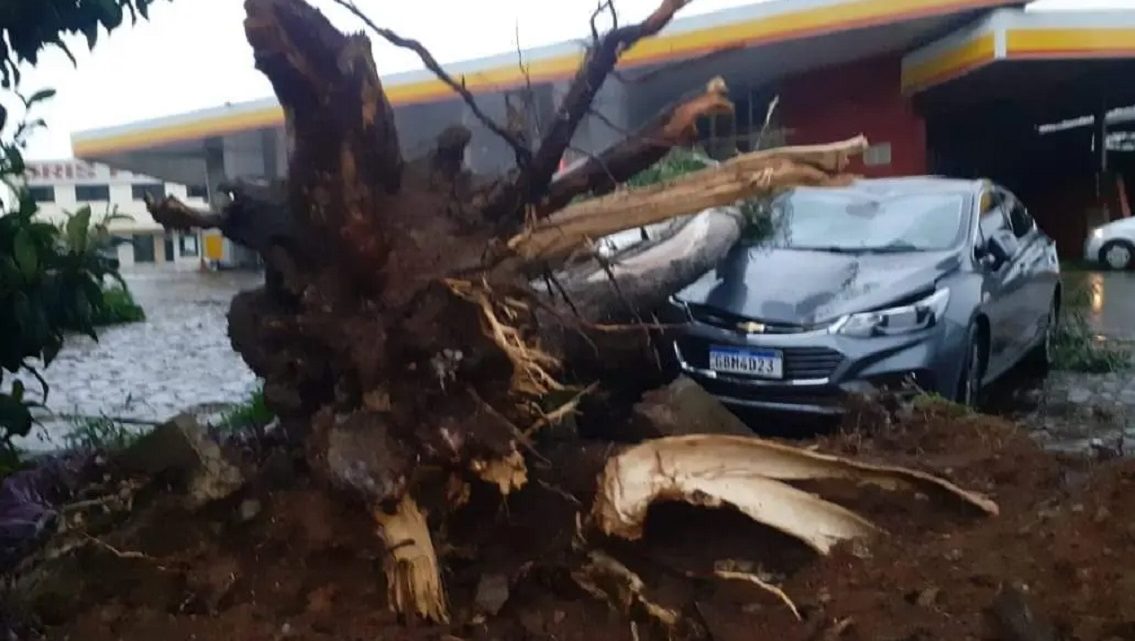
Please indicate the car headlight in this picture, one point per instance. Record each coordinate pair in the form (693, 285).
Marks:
(1097, 232)
(896, 320)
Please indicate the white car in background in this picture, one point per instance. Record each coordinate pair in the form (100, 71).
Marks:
(1112, 245)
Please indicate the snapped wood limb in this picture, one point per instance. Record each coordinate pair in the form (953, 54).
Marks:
(674, 126)
(749, 473)
(746, 176)
(413, 578)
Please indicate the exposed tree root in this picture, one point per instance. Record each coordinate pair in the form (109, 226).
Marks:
(508, 473)
(530, 363)
(413, 578)
(607, 579)
(748, 577)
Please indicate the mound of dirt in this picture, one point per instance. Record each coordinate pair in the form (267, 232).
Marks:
(293, 562)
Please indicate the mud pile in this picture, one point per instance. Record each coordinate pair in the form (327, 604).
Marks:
(284, 559)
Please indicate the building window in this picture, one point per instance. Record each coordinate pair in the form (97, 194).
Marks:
(197, 191)
(90, 193)
(42, 194)
(157, 191)
(188, 245)
(143, 248)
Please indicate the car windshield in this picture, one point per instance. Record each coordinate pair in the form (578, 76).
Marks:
(850, 221)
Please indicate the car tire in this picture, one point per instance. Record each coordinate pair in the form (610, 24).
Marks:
(1039, 359)
(1117, 255)
(969, 384)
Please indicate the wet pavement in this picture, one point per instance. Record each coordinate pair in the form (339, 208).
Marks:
(179, 357)
(1077, 412)
(1110, 304)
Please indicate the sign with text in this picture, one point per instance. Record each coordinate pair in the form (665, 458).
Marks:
(70, 171)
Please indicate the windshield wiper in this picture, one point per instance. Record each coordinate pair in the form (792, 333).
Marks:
(893, 248)
(835, 249)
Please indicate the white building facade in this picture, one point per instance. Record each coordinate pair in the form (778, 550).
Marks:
(61, 187)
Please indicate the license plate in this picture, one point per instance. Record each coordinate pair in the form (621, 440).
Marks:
(763, 363)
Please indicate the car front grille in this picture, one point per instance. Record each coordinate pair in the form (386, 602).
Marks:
(800, 363)
(733, 322)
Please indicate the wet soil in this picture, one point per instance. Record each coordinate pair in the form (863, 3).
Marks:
(307, 565)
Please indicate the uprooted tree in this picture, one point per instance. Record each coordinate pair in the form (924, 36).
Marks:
(416, 317)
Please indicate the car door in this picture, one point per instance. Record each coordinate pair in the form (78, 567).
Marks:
(1040, 272)
(1005, 282)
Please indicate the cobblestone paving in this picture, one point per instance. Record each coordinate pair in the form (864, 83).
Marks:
(1073, 411)
(180, 357)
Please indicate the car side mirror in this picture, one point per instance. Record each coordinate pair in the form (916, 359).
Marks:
(999, 249)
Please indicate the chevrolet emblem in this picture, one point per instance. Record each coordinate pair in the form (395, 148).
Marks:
(750, 327)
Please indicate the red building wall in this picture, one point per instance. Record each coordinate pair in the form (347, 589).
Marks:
(863, 97)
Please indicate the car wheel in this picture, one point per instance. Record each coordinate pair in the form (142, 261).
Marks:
(969, 386)
(1118, 254)
(1040, 359)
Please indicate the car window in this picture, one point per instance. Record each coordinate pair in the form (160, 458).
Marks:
(852, 220)
(1020, 219)
(993, 221)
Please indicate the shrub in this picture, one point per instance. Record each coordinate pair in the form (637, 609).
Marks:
(1077, 348)
(51, 284)
(117, 306)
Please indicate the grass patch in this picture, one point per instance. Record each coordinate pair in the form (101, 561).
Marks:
(117, 306)
(252, 414)
(1077, 348)
(99, 434)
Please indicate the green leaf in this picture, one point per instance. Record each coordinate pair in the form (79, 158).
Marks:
(40, 96)
(111, 13)
(15, 161)
(51, 350)
(18, 390)
(78, 226)
(15, 417)
(91, 31)
(25, 252)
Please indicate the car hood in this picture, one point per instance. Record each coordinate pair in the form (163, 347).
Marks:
(805, 287)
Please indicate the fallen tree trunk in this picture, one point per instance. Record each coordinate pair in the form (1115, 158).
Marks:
(752, 175)
(388, 341)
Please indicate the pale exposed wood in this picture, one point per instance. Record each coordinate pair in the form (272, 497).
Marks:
(749, 474)
(745, 176)
(413, 578)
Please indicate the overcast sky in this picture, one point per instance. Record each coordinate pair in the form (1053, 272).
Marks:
(192, 53)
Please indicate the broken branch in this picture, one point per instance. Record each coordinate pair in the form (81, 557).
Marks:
(746, 176)
(674, 126)
(530, 185)
(748, 473)
(523, 154)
